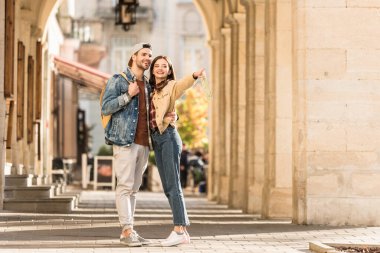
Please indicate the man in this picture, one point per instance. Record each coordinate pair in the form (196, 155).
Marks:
(127, 100)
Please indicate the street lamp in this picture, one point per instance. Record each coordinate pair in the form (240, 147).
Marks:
(125, 13)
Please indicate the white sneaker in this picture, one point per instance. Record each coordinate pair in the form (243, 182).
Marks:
(174, 239)
(187, 237)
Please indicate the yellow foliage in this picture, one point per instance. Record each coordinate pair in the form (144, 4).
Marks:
(192, 110)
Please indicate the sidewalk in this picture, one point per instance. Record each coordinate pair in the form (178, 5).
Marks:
(94, 228)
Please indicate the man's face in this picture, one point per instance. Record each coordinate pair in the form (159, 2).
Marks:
(143, 58)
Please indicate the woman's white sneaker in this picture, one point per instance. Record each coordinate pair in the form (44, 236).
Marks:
(174, 239)
(187, 237)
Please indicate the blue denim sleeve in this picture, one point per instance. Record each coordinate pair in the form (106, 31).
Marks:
(113, 98)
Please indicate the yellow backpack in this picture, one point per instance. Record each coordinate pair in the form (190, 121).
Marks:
(106, 118)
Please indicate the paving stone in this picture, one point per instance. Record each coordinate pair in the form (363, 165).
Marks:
(94, 227)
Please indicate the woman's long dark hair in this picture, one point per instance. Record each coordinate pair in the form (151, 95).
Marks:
(152, 78)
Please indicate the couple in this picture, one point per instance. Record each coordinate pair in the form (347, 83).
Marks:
(141, 109)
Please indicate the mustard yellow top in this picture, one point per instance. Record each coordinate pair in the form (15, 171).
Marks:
(164, 100)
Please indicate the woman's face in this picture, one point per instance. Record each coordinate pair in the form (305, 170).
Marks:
(161, 69)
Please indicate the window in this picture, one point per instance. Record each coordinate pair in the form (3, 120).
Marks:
(121, 52)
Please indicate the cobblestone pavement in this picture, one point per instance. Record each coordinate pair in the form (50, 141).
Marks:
(215, 228)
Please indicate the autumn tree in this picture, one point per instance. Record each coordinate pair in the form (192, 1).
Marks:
(193, 117)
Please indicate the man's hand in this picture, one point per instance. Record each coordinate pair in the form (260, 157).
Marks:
(133, 89)
(171, 117)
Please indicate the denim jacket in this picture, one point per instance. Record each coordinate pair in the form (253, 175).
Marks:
(121, 129)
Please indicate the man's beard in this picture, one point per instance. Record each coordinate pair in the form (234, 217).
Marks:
(142, 65)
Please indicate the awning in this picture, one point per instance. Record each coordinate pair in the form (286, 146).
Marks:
(82, 74)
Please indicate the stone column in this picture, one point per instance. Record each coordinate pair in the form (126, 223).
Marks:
(214, 116)
(269, 109)
(2, 102)
(12, 114)
(278, 111)
(237, 193)
(282, 195)
(13, 152)
(30, 149)
(299, 118)
(259, 119)
(21, 152)
(45, 122)
(225, 115)
(234, 95)
(255, 37)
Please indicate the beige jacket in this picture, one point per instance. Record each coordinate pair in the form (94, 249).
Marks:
(164, 100)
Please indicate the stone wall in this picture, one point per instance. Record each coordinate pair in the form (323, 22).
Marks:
(295, 117)
(338, 72)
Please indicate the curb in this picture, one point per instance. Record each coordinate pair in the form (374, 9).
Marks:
(321, 248)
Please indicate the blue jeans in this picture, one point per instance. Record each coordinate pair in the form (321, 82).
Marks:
(167, 150)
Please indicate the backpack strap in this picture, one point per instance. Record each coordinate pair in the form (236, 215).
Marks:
(124, 75)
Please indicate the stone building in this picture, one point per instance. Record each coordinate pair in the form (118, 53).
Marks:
(173, 27)
(294, 120)
(295, 115)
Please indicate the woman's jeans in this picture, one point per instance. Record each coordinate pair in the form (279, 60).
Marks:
(167, 150)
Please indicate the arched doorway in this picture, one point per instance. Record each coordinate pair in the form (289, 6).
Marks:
(251, 136)
(48, 135)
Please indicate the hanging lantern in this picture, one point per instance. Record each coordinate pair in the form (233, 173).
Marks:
(125, 13)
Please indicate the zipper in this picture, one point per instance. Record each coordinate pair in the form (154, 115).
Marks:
(148, 114)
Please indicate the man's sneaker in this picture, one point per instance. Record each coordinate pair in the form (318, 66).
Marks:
(174, 239)
(141, 239)
(130, 241)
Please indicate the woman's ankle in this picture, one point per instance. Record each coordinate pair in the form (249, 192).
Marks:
(179, 229)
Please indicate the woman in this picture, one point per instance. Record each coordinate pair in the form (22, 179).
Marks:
(167, 142)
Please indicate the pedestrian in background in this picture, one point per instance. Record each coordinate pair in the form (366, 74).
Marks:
(184, 166)
(196, 166)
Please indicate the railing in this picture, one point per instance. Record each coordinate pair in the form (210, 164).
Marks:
(102, 170)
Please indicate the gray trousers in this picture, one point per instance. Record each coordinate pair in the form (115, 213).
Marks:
(130, 164)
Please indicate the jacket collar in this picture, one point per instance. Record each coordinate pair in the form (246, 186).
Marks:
(130, 76)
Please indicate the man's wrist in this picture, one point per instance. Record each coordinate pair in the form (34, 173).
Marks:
(127, 97)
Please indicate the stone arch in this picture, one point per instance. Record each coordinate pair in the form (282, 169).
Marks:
(44, 12)
(244, 52)
(212, 22)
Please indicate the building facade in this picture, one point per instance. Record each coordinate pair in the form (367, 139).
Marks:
(294, 118)
(173, 27)
(295, 115)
